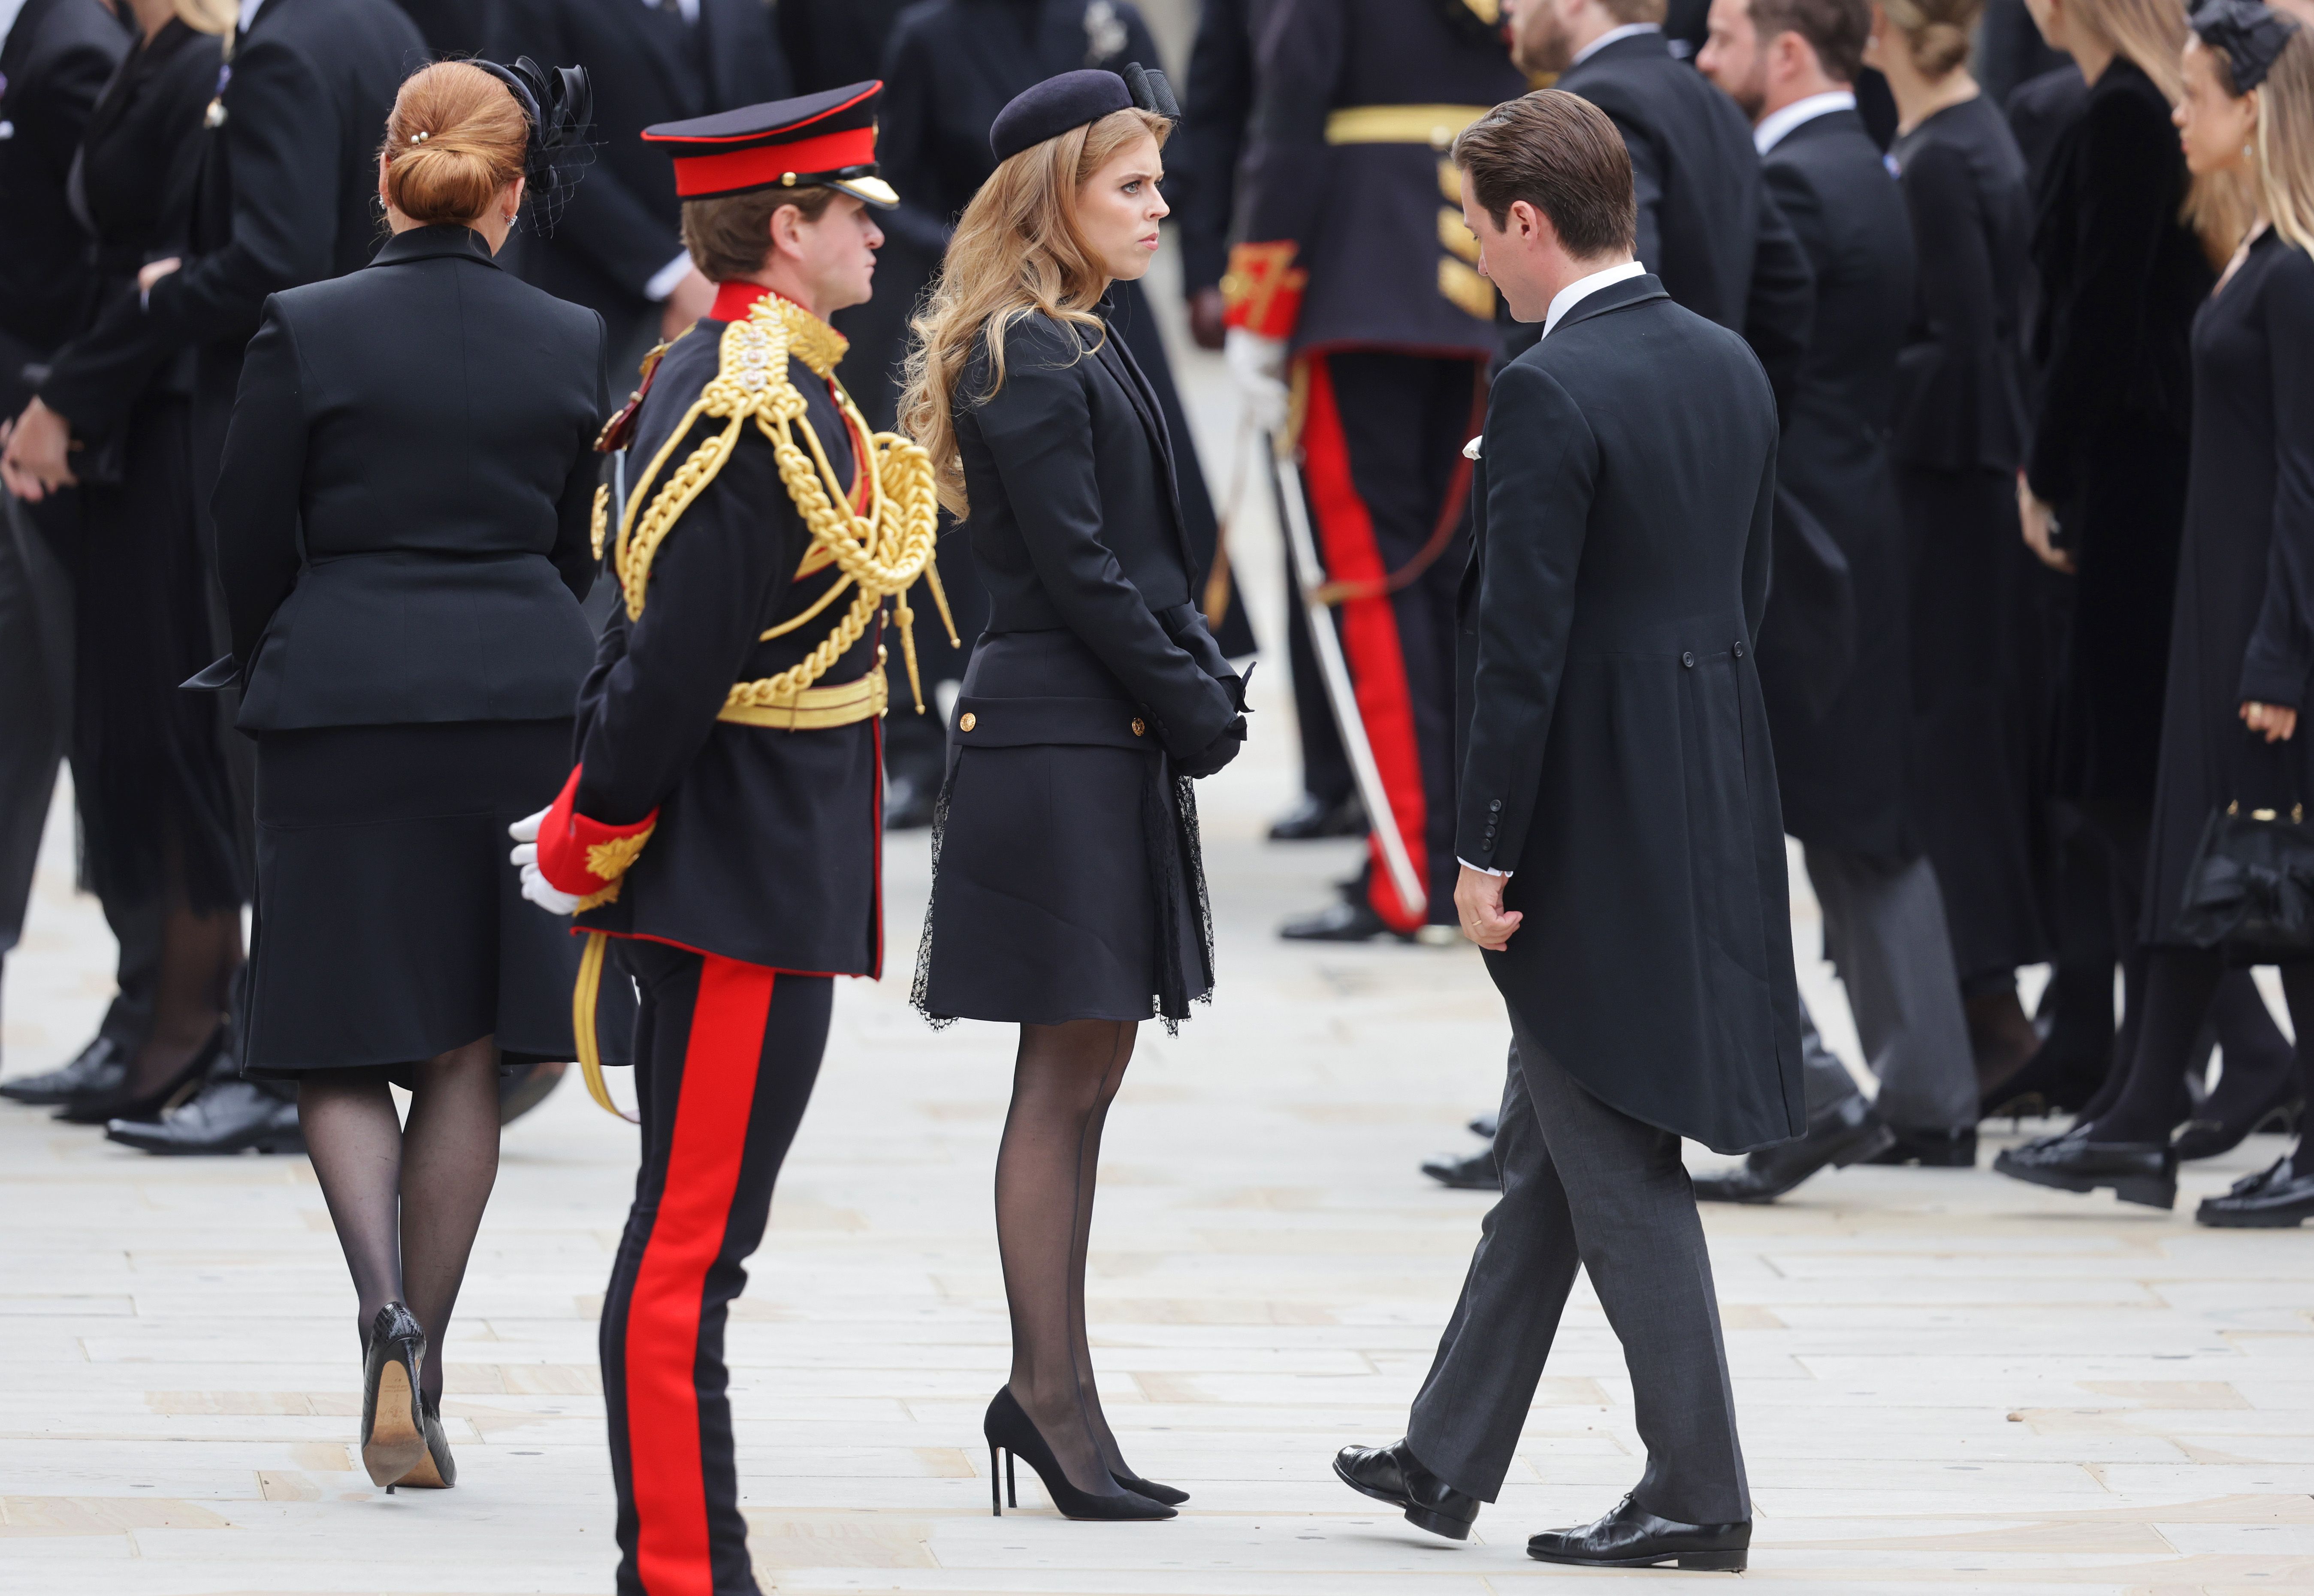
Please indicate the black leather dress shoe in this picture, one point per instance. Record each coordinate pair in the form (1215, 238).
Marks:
(1340, 922)
(1931, 1150)
(2226, 1119)
(1391, 1473)
(226, 1116)
(1486, 1125)
(99, 1071)
(2275, 1199)
(1476, 1173)
(1631, 1536)
(1843, 1135)
(2141, 1172)
(1314, 817)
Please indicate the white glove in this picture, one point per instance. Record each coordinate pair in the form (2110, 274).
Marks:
(1256, 365)
(535, 886)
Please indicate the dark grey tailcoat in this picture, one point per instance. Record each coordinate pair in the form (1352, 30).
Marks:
(1614, 742)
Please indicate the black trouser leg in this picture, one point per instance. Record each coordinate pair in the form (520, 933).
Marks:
(726, 1054)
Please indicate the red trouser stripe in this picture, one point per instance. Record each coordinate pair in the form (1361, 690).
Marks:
(703, 1171)
(1370, 645)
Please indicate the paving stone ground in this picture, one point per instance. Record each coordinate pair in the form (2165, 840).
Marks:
(1944, 1379)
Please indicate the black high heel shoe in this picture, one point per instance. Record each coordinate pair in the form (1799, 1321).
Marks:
(393, 1423)
(126, 1102)
(2225, 1120)
(437, 1471)
(1009, 1429)
(1149, 1489)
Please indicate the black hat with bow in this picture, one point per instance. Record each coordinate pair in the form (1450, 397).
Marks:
(1074, 100)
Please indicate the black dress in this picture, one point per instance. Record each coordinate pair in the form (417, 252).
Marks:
(148, 760)
(1960, 430)
(2121, 277)
(402, 523)
(1066, 882)
(2245, 618)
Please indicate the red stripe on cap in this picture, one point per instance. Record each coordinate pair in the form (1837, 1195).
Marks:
(767, 163)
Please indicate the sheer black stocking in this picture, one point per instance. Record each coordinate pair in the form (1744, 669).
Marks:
(407, 1200)
(190, 991)
(1062, 1083)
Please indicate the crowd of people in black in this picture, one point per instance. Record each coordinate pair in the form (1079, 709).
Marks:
(2030, 286)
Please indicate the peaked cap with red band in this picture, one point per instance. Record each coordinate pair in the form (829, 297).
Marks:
(825, 140)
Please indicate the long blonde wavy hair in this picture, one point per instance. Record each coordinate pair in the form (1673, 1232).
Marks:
(2284, 167)
(1017, 250)
(2153, 34)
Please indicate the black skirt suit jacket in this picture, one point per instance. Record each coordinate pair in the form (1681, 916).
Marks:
(1066, 884)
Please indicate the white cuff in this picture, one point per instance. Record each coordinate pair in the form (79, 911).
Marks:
(665, 277)
(1482, 869)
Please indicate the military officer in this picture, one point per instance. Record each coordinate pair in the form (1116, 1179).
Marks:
(1356, 287)
(720, 827)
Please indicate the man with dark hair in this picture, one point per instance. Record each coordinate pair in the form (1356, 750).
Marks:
(1840, 742)
(1614, 794)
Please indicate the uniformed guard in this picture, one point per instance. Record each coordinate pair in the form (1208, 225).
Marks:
(721, 825)
(1355, 264)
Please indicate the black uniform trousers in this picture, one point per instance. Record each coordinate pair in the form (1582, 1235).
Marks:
(726, 1054)
(1382, 447)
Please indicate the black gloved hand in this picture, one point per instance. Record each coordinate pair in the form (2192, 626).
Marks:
(1216, 754)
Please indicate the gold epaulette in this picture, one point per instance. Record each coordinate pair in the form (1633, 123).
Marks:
(878, 554)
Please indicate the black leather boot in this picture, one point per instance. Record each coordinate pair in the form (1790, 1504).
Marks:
(1631, 1536)
(1391, 1473)
(1843, 1135)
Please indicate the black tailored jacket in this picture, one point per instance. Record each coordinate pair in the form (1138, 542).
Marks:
(285, 193)
(403, 513)
(832, 43)
(1839, 756)
(768, 842)
(1217, 116)
(1707, 227)
(622, 224)
(1612, 738)
(1075, 523)
(54, 64)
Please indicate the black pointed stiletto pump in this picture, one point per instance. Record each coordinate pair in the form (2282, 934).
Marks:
(1011, 1431)
(393, 1421)
(1149, 1489)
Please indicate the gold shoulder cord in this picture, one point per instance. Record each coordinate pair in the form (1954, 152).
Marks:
(879, 555)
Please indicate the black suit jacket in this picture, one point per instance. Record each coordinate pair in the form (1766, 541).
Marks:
(1614, 742)
(403, 513)
(623, 223)
(1707, 227)
(1075, 523)
(830, 43)
(54, 63)
(1841, 755)
(767, 843)
(286, 194)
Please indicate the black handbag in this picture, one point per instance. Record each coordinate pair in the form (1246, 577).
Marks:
(2251, 890)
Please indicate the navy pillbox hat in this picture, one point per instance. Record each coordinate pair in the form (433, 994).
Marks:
(1074, 99)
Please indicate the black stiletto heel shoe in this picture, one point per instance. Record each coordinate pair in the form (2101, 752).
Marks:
(1009, 1429)
(1149, 1489)
(437, 1471)
(393, 1425)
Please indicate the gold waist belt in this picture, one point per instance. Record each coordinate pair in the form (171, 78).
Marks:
(813, 708)
(1432, 125)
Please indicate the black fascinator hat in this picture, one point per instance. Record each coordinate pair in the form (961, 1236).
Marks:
(559, 103)
(1075, 99)
(2247, 34)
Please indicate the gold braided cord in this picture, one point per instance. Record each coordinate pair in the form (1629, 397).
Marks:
(879, 554)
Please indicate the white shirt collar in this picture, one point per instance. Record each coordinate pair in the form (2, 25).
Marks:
(1770, 130)
(690, 8)
(1582, 288)
(249, 9)
(1627, 31)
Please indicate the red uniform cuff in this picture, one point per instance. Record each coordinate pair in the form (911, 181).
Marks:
(1262, 290)
(585, 857)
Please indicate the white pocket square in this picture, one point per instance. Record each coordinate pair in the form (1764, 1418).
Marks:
(1470, 449)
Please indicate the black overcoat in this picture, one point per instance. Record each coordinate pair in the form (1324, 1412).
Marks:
(769, 843)
(2121, 275)
(1614, 742)
(2245, 625)
(366, 588)
(53, 65)
(1066, 882)
(1841, 759)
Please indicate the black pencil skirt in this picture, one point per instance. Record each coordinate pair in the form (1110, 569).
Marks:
(390, 926)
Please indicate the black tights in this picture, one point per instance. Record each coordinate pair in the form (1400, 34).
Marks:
(1062, 1083)
(2180, 985)
(407, 1200)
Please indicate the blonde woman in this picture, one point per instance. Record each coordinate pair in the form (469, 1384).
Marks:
(2243, 648)
(1067, 893)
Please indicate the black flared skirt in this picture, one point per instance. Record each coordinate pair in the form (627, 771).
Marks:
(1066, 881)
(390, 926)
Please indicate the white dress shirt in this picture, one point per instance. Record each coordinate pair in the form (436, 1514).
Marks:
(249, 9)
(1770, 130)
(1625, 32)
